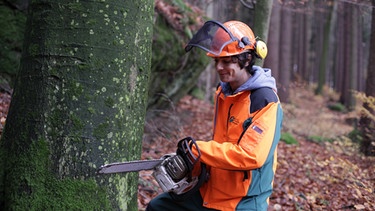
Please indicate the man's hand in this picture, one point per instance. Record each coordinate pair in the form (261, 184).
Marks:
(176, 168)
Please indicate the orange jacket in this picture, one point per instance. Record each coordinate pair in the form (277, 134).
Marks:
(241, 158)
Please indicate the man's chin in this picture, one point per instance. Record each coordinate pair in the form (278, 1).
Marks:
(224, 79)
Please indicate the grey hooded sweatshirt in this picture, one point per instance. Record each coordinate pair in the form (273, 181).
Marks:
(261, 78)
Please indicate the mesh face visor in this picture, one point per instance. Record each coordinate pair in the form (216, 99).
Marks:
(212, 38)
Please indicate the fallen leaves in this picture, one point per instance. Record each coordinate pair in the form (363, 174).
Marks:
(315, 178)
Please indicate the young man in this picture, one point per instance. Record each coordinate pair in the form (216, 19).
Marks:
(241, 158)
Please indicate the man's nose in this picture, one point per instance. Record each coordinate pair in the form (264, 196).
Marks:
(219, 65)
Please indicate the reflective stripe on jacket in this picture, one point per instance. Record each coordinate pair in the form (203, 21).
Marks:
(241, 158)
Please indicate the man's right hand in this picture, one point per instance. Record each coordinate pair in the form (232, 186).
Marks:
(176, 168)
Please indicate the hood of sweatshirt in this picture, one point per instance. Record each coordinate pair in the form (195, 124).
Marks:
(262, 77)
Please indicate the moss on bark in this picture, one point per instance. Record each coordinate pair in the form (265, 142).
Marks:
(79, 102)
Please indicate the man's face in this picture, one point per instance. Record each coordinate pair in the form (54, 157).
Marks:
(227, 68)
(230, 71)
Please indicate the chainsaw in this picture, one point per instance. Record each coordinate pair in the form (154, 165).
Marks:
(173, 172)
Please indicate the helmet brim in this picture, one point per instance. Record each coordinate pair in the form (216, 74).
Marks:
(212, 38)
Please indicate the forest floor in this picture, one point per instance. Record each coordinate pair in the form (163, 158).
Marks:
(323, 171)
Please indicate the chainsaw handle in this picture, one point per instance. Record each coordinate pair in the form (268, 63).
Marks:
(184, 147)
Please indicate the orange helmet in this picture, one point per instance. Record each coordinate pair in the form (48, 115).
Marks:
(240, 31)
(228, 39)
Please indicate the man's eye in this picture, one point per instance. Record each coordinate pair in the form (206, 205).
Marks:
(225, 61)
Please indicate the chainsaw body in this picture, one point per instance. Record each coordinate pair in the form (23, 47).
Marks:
(168, 182)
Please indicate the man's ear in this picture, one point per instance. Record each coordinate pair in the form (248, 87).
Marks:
(248, 60)
(247, 63)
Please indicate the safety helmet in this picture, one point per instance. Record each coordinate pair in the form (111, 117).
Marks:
(228, 39)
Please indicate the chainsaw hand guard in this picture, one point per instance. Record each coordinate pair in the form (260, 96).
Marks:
(184, 151)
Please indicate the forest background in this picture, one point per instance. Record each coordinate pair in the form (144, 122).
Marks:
(320, 54)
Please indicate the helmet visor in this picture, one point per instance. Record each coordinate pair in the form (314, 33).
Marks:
(212, 38)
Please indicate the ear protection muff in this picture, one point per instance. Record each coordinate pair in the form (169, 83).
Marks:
(260, 47)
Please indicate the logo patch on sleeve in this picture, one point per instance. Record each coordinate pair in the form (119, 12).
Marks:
(257, 129)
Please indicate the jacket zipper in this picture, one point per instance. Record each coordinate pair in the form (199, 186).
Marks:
(216, 111)
(228, 119)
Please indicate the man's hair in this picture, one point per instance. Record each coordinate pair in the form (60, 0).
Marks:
(248, 56)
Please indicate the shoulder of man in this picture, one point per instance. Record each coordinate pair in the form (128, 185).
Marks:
(261, 97)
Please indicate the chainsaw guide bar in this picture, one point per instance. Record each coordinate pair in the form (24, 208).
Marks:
(129, 166)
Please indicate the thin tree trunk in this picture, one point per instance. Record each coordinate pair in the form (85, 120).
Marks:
(285, 53)
(324, 56)
(300, 56)
(353, 83)
(311, 55)
(332, 46)
(347, 41)
(273, 43)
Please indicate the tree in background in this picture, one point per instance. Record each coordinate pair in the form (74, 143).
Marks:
(262, 16)
(273, 41)
(349, 42)
(173, 72)
(329, 26)
(367, 121)
(285, 55)
(12, 25)
(79, 101)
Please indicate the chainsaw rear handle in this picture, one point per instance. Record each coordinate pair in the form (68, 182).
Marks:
(184, 150)
(184, 147)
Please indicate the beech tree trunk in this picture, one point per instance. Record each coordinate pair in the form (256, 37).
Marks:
(79, 102)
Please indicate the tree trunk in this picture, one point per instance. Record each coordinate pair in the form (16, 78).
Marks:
(345, 94)
(367, 122)
(285, 54)
(262, 16)
(353, 69)
(322, 70)
(79, 102)
(332, 51)
(339, 64)
(299, 56)
(310, 44)
(273, 43)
